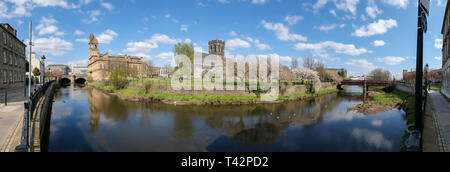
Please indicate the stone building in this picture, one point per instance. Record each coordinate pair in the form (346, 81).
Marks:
(79, 70)
(12, 58)
(39, 64)
(101, 65)
(446, 52)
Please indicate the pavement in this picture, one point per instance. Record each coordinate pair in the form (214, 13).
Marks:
(440, 108)
(11, 118)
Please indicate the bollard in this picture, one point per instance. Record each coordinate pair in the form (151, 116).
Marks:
(6, 98)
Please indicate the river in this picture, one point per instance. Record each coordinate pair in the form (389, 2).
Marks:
(87, 120)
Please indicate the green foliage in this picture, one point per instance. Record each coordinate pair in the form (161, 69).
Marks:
(118, 79)
(185, 49)
(36, 72)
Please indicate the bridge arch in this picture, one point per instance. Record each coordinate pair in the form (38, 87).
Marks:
(65, 81)
(80, 81)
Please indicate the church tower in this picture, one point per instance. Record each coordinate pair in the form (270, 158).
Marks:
(93, 47)
(217, 47)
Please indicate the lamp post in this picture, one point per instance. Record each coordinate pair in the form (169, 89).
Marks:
(43, 64)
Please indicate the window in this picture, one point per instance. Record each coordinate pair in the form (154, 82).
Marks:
(10, 59)
(101, 66)
(5, 56)
(4, 77)
(10, 77)
(4, 37)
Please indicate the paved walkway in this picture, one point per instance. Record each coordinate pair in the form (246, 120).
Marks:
(441, 110)
(11, 118)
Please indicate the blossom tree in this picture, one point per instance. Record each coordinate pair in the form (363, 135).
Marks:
(306, 74)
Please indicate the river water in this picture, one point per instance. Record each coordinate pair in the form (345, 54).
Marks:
(88, 120)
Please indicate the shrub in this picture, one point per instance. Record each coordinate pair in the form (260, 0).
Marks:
(118, 79)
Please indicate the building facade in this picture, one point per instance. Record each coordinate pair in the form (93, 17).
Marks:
(101, 65)
(57, 70)
(39, 64)
(79, 71)
(445, 88)
(12, 58)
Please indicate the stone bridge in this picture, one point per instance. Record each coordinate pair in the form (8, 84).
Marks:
(78, 79)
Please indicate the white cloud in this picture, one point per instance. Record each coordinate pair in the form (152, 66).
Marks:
(237, 43)
(85, 40)
(258, 44)
(108, 6)
(438, 58)
(233, 33)
(187, 41)
(326, 28)
(107, 36)
(167, 56)
(259, 1)
(51, 46)
(143, 48)
(361, 63)
(438, 43)
(47, 27)
(23, 8)
(184, 28)
(78, 63)
(391, 60)
(372, 9)
(397, 3)
(320, 48)
(379, 43)
(344, 5)
(293, 20)
(78, 32)
(376, 28)
(93, 15)
(282, 32)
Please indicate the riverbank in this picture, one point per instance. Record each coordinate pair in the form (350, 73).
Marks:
(138, 95)
(380, 100)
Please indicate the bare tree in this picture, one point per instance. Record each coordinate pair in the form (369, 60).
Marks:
(312, 64)
(380, 75)
(294, 64)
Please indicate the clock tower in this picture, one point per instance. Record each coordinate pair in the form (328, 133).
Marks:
(93, 47)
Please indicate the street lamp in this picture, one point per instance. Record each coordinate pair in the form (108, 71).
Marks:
(43, 63)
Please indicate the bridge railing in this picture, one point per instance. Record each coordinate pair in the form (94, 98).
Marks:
(29, 114)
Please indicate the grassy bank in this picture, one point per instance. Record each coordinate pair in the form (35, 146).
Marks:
(380, 101)
(136, 92)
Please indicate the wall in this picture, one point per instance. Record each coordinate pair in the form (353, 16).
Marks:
(405, 88)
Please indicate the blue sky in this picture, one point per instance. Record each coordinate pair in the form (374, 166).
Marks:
(358, 35)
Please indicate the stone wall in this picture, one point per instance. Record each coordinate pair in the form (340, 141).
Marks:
(405, 88)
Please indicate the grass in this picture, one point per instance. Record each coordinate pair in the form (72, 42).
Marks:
(135, 89)
(303, 95)
(385, 99)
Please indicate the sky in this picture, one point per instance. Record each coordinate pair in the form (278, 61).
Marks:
(358, 35)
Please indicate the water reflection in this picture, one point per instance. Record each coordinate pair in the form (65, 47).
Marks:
(89, 120)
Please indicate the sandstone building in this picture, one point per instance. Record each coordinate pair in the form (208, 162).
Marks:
(446, 52)
(12, 58)
(101, 65)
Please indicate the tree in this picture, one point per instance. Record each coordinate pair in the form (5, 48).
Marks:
(118, 78)
(328, 75)
(184, 49)
(36, 72)
(294, 64)
(380, 75)
(312, 64)
(309, 75)
(149, 68)
(133, 72)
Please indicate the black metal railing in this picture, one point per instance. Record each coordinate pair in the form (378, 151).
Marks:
(30, 113)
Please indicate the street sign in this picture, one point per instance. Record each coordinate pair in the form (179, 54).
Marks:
(425, 5)
(424, 22)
